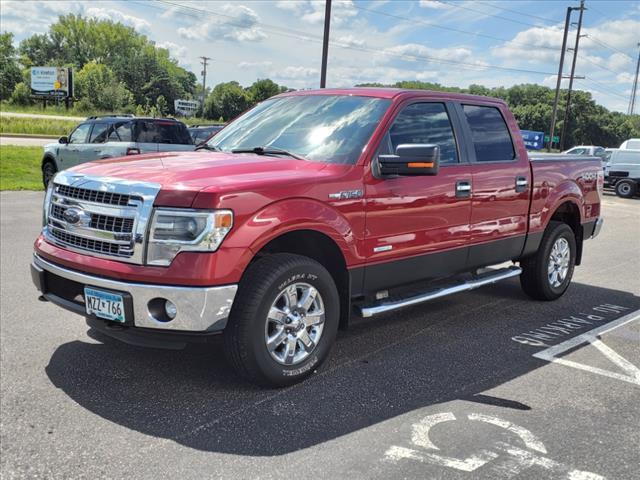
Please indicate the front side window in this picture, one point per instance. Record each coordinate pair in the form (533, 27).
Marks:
(99, 133)
(491, 138)
(79, 135)
(426, 123)
(323, 128)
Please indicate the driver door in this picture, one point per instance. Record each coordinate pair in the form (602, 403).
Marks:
(418, 226)
(70, 154)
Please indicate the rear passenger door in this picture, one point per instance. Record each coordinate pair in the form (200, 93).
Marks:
(501, 179)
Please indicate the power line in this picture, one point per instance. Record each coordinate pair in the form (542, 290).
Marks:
(487, 14)
(412, 57)
(544, 19)
(608, 91)
(451, 29)
(606, 45)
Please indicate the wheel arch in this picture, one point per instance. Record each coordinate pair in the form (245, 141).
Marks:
(568, 212)
(322, 248)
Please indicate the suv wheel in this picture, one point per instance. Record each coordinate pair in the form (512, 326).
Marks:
(48, 172)
(284, 320)
(626, 188)
(547, 274)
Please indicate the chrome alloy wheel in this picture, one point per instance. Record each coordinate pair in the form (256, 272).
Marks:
(559, 262)
(294, 324)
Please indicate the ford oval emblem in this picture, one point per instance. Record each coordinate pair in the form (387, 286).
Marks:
(76, 216)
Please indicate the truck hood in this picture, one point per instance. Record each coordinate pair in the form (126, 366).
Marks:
(182, 175)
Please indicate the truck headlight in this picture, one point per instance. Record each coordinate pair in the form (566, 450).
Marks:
(174, 230)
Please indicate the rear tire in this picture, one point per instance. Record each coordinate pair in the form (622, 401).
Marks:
(49, 171)
(269, 343)
(626, 188)
(547, 274)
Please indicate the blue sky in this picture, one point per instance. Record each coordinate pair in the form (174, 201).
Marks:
(451, 42)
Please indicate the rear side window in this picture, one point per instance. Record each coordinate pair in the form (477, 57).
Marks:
(491, 138)
(158, 131)
(425, 123)
(99, 133)
(121, 132)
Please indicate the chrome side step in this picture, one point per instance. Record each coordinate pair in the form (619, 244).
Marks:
(485, 279)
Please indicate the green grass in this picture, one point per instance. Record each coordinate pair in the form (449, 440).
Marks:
(51, 109)
(20, 168)
(36, 126)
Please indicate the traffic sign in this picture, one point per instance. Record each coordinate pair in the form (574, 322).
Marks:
(556, 139)
(533, 140)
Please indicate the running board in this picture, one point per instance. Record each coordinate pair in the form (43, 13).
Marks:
(485, 279)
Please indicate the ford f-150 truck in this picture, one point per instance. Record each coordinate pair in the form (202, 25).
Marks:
(309, 208)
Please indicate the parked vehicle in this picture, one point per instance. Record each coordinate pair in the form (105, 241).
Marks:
(631, 144)
(622, 172)
(201, 133)
(310, 207)
(112, 136)
(590, 150)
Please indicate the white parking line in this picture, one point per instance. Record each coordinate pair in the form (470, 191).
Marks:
(631, 372)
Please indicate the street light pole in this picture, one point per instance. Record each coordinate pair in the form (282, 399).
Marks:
(325, 43)
(573, 69)
(632, 101)
(204, 81)
(559, 80)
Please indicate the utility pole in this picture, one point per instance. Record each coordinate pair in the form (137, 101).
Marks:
(559, 80)
(565, 124)
(632, 101)
(325, 43)
(204, 61)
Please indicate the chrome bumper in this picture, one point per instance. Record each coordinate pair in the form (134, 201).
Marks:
(200, 309)
(597, 228)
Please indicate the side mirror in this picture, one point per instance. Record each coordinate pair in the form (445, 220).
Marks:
(63, 140)
(411, 159)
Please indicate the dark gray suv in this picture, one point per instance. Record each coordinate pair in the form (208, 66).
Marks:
(114, 136)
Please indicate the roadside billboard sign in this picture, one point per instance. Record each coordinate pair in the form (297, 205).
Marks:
(186, 107)
(51, 82)
(533, 140)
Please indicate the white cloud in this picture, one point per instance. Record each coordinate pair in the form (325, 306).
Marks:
(21, 17)
(140, 24)
(179, 52)
(351, 41)
(239, 23)
(411, 51)
(435, 4)
(312, 11)
(295, 73)
(254, 65)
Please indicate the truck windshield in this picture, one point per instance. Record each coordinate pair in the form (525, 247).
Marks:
(323, 128)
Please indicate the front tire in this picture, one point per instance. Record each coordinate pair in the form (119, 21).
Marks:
(49, 171)
(626, 188)
(547, 274)
(284, 320)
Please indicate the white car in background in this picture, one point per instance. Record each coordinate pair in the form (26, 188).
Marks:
(622, 172)
(631, 144)
(590, 150)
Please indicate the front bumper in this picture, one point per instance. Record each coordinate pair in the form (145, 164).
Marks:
(200, 309)
(597, 227)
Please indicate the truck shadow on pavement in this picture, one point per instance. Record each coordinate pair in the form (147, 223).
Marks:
(455, 348)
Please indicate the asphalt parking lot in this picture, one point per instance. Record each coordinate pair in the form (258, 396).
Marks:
(487, 384)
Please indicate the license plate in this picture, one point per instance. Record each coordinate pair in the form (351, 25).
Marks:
(109, 306)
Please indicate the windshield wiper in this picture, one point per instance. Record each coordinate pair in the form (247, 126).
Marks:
(267, 151)
(206, 146)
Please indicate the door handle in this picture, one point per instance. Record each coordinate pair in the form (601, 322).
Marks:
(522, 184)
(463, 188)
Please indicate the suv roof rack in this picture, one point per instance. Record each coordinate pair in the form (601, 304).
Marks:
(111, 115)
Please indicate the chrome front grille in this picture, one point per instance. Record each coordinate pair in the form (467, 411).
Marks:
(96, 196)
(99, 216)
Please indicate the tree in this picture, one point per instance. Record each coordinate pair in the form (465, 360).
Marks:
(9, 69)
(260, 90)
(21, 94)
(227, 100)
(98, 86)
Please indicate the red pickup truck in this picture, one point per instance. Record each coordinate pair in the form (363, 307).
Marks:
(309, 208)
